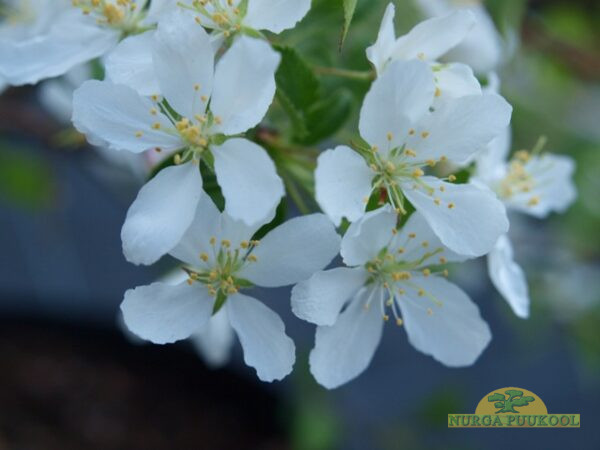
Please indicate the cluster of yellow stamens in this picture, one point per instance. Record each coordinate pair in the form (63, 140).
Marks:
(401, 165)
(393, 271)
(518, 180)
(218, 269)
(221, 15)
(121, 14)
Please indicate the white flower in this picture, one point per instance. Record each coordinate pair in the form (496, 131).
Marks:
(388, 276)
(222, 259)
(482, 48)
(528, 183)
(239, 90)
(428, 41)
(53, 36)
(404, 138)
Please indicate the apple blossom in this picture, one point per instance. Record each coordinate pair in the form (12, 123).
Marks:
(222, 259)
(389, 274)
(203, 111)
(405, 137)
(428, 41)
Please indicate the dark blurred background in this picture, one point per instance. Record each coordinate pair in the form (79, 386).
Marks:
(71, 379)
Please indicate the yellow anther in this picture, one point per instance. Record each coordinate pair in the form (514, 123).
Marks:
(418, 173)
(244, 244)
(177, 159)
(429, 312)
(409, 152)
(412, 235)
(421, 55)
(213, 241)
(523, 155)
(425, 134)
(451, 178)
(430, 162)
(401, 291)
(156, 126)
(443, 260)
(218, 120)
(438, 92)
(153, 111)
(443, 158)
(445, 272)
(437, 201)
(533, 201)
(213, 275)
(386, 317)
(394, 231)
(252, 258)
(226, 243)
(421, 292)
(154, 97)
(204, 98)
(399, 322)
(450, 205)
(138, 134)
(401, 250)
(426, 272)
(442, 188)
(390, 302)
(204, 256)
(411, 131)
(196, 87)
(374, 149)
(190, 281)
(390, 136)
(425, 244)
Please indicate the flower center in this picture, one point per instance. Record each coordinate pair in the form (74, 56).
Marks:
(218, 269)
(123, 15)
(391, 274)
(224, 16)
(518, 180)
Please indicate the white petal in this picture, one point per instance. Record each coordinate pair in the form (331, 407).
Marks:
(432, 38)
(461, 127)
(365, 238)
(244, 85)
(196, 240)
(344, 350)
(262, 334)
(215, 340)
(455, 81)
(130, 63)
(508, 277)
(184, 63)
(163, 313)
(343, 183)
(293, 251)
(73, 40)
(158, 9)
(320, 299)
(443, 323)
(397, 99)
(248, 179)
(416, 239)
(380, 52)
(553, 187)
(474, 222)
(161, 213)
(483, 47)
(491, 163)
(120, 117)
(275, 15)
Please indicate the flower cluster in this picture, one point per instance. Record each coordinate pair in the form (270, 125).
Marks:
(186, 84)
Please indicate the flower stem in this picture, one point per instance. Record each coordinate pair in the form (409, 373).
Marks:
(345, 73)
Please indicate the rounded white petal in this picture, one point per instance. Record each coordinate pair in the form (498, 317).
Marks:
(396, 100)
(444, 323)
(380, 52)
(163, 313)
(454, 81)
(320, 299)
(73, 40)
(184, 63)
(196, 239)
(342, 184)
(433, 38)
(130, 63)
(262, 334)
(460, 128)
(158, 9)
(416, 240)
(293, 251)
(275, 15)
(553, 188)
(213, 343)
(244, 85)
(490, 164)
(365, 238)
(508, 277)
(468, 219)
(248, 179)
(344, 350)
(119, 117)
(161, 213)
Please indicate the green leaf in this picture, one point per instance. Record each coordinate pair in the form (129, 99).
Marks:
(327, 116)
(349, 7)
(296, 79)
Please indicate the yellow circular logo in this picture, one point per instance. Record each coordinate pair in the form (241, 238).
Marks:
(511, 400)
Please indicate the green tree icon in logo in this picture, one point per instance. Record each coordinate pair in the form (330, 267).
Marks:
(507, 403)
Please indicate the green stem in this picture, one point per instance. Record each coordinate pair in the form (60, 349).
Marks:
(345, 73)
